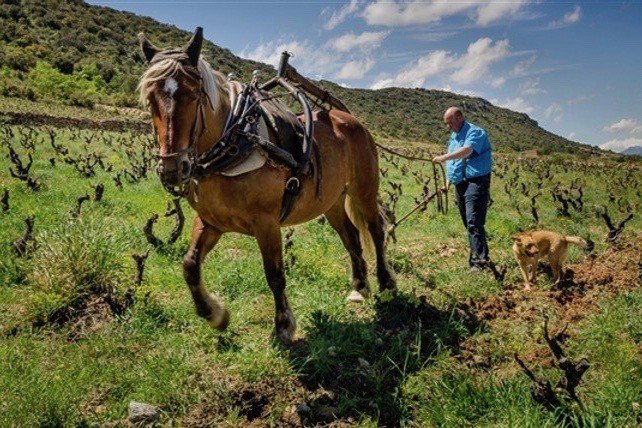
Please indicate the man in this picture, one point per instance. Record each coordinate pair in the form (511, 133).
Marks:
(469, 165)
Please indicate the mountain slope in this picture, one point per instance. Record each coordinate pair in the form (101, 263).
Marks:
(83, 54)
(633, 150)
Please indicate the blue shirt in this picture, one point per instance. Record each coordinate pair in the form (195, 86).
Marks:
(479, 163)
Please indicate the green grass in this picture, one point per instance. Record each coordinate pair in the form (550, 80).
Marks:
(417, 359)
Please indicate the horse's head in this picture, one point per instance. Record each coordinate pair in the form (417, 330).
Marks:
(172, 86)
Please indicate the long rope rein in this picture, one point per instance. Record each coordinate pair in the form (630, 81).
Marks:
(440, 193)
(408, 157)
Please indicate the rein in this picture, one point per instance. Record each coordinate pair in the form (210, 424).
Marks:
(441, 194)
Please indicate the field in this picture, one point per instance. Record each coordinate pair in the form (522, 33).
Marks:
(96, 315)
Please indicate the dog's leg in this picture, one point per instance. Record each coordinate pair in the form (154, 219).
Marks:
(534, 269)
(523, 266)
(556, 268)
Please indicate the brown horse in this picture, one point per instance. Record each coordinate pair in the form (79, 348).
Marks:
(190, 103)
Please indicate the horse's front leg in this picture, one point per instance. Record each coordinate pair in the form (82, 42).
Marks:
(204, 238)
(269, 240)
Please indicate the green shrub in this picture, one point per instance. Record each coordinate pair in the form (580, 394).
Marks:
(74, 261)
(17, 59)
(83, 88)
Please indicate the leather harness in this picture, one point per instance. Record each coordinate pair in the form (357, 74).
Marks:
(241, 137)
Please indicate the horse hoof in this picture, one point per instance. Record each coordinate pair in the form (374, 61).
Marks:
(284, 337)
(358, 296)
(219, 320)
(285, 327)
(391, 284)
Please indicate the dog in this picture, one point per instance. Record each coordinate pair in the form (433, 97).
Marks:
(530, 247)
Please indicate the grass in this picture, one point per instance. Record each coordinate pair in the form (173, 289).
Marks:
(440, 353)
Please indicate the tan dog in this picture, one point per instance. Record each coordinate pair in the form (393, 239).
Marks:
(530, 247)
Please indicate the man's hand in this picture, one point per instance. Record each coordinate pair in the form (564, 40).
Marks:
(439, 159)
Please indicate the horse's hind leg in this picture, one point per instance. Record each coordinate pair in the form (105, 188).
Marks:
(349, 234)
(369, 218)
(269, 240)
(384, 273)
(204, 238)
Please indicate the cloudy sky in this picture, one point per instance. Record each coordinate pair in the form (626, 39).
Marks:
(574, 66)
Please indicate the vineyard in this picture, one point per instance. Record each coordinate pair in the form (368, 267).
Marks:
(96, 314)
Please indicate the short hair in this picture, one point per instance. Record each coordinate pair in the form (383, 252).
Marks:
(455, 110)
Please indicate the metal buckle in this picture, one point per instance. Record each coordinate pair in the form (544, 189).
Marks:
(293, 185)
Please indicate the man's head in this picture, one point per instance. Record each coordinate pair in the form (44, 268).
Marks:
(454, 118)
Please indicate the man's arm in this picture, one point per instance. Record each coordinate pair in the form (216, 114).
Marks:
(460, 153)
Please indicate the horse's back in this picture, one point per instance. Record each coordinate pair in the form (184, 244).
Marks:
(362, 161)
(344, 162)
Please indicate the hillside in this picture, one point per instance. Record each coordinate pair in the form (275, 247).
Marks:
(634, 150)
(84, 55)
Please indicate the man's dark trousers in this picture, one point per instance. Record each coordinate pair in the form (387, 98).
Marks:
(473, 195)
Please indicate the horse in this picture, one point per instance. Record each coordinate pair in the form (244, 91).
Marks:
(190, 103)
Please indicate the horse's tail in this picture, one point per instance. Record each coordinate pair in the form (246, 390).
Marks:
(357, 218)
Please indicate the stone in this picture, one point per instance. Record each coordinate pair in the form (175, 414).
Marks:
(142, 412)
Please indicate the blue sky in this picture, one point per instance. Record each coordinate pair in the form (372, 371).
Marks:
(575, 67)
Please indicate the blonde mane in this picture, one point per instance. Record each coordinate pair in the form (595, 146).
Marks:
(213, 81)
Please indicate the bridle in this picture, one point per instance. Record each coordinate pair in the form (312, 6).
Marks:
(176, 169)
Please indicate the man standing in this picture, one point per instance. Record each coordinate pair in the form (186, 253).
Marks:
(470, 162)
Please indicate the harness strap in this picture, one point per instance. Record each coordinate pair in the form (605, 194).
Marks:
(292, 189)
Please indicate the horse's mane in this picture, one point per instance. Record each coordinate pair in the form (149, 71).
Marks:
(213, 81)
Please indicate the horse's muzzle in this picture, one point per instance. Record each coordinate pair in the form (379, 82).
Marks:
(175, 170)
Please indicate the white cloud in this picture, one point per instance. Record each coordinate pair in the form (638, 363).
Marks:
(516, 104)
(270, 52)
(569, 18)
(555, 111)
(624, 125)
(383, 82)
(580, 99)
(305, 57)
(620, 145)
(460, 91)
(467, 68)
(497, 82)
(339, 16)
(393, 13)
(531, 87)
(522, 67)
(495, 10)
(365, 41)
(475, 64)
(574, 16)
(415, 74)
(355, 69)
(432, 36)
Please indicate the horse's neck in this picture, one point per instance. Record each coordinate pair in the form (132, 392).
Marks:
(215, 119)
(214, 122)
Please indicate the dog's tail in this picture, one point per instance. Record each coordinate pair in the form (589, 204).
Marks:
(576, 240)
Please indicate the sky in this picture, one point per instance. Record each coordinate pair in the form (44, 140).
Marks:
(573, 66)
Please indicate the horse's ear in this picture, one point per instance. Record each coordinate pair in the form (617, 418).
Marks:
(148, 49)
(193, 47)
